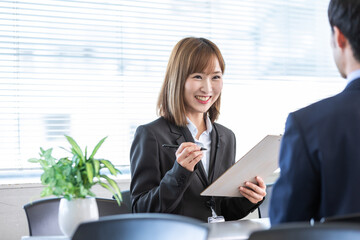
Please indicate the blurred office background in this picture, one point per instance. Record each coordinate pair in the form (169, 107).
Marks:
(91, 69)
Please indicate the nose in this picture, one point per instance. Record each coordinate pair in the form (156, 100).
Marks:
(207, 85)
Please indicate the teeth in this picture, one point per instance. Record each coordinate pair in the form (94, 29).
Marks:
(202, 98)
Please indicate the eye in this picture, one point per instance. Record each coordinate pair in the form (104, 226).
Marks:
(197, 77)
(217, 77)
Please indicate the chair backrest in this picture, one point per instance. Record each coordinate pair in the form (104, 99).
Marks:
(42, 215)
(350, 218)
(140, 226)
(339, 231)
(263, 209)
(108, 207)
(126, 198)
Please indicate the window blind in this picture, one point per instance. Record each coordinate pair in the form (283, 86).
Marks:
(91, 69)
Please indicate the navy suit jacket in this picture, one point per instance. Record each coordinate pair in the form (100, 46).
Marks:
(320, 160)
(159, 184)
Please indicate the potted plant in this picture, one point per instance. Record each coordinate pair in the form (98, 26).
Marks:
(72, 179)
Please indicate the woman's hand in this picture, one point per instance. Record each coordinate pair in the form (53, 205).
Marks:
(188, 155)
(254, 192)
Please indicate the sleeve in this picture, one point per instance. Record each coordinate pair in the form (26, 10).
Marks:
(235, 208)
(150, 192)
(296, 193)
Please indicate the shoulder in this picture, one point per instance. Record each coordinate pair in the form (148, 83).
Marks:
(222, 130)
(155, 129)
(323, 108)
(159, 123)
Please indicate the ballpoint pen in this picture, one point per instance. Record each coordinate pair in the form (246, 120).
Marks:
(176, 146)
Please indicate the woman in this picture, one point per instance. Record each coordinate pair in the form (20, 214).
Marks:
(169, 180)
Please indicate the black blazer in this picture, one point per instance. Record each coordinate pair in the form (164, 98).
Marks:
(320, 160)
(160, 184)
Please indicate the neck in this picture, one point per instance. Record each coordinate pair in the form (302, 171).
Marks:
(351, 64)
(354, 68)
(199, 122)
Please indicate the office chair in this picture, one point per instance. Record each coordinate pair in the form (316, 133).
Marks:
(263, 209)
(305, 231)
(126, 198)
(349, 218)
(42, 215)
(140, 226)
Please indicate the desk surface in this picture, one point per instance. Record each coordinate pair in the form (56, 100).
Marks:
(230, 230)
(235, 230)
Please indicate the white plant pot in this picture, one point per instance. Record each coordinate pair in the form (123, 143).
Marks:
(76, 211)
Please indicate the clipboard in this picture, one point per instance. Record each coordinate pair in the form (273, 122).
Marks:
(261, 160)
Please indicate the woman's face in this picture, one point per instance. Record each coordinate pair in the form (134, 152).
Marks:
(203, 89)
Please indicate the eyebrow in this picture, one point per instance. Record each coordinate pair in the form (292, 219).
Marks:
(210, 73)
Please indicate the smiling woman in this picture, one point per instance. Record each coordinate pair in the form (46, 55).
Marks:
(94, 68)
(171, 182)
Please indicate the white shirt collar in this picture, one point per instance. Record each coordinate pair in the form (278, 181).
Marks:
(353, 75)
(193, 130)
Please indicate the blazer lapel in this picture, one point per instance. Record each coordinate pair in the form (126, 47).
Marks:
(213, 153)
(178, 133)
(216, 150)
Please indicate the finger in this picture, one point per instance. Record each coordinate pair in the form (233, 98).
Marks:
(183, 146)
(250, 198)
(189, 154)
(198, 157)
(190, 162)
(193, 157)
(251, 193)
(256, 188)
(260, 182)
(189, 150)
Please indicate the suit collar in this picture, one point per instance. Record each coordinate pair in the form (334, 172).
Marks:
(353, 85)
(217, 149)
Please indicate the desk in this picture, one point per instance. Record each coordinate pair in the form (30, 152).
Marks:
(236, 230)
(230, 230)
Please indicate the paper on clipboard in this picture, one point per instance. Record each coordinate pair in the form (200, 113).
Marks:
(261, 160)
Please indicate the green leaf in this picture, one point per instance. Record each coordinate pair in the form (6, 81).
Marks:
(78, 176)
(110, 181)
(85, 152)
(47, 153)
(113, 184)
(118, 198)
(116, 195)
(33, 160)
(96, 166)
(110, 166)
(65, 149)
(75, 147)
(42, 151)
(89, 171)
(97, 147)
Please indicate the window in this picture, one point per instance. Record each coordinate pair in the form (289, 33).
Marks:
(94, 68)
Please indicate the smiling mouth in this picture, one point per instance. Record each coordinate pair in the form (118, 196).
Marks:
(203, 99)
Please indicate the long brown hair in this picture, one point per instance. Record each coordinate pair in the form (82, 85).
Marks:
(190, 55)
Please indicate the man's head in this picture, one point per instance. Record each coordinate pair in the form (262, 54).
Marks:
(344, 18)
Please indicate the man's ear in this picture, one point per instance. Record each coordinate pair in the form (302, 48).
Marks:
(339, 38)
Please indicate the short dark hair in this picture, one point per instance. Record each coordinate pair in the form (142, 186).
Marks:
(345, 14)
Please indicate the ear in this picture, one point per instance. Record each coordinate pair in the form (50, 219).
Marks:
(339, 38)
